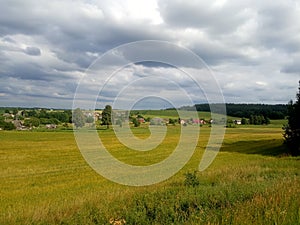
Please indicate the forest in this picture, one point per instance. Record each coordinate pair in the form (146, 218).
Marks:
(278, 111)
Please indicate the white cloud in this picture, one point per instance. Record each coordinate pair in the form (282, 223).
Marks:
(45, 47)
(261, 83)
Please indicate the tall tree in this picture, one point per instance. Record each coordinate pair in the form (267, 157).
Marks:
(78, 118)
(106, 116)
(292, 129)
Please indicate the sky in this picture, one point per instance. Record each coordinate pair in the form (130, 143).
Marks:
(51, 52)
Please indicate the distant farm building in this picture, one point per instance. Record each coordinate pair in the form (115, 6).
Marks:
(237, 122)
(19, 125)
(51, 126)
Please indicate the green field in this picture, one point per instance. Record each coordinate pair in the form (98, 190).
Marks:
(45, 180)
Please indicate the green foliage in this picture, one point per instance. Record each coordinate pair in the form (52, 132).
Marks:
(136, 122)
(139, 116)
(157, 113)
(106, 116)
(21, 117)
(32, 113)
(44, 114)
(259, 120)
(78, 118)
(244, 121)
(231, 125)
(172, 121)
(63, 117)
(292, 129)
(49, 121)
(191, 179)
(15, 111)
(6, 125)
(246, 110)
(32, 122)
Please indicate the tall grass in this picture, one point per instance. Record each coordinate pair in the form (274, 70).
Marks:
(44, 180)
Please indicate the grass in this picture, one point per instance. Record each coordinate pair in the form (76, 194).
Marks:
(168, 114)
(45, 180)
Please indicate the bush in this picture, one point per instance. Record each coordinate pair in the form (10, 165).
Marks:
(244, 121)
(191, 179)
(6, 125)
(32, 122)
(135, 122)
(172, 121)
(49, 121)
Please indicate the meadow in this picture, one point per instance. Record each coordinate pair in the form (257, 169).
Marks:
(45, 180)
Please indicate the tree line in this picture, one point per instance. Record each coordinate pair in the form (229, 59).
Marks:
(278, 111)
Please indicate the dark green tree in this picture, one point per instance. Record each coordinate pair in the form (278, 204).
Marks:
(136, 122)
(244, 121)
(172, 121)
(32, 113)
(32, 122)
(106, 116)
(43, 114)
(78, 118)
(292, 129)
(15, 111)
(6, 125)
(267, 120)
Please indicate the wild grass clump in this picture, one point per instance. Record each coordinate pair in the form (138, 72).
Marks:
(233, 203)
(191, 179)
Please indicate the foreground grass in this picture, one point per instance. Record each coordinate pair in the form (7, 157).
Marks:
(44, 180)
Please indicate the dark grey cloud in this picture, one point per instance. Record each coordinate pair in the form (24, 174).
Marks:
(293, 66)
(34, 51)
(54, 42)
(204, 15)
(8, 39)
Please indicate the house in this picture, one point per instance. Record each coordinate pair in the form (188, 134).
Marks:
(183, 122)
(157, 121)
(97, 116)
(237, 122)
(196, 121)
(51, 126)
(19, 125)
(8, 116)
(141, 120)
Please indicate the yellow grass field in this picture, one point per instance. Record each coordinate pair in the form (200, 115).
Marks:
(45, 180)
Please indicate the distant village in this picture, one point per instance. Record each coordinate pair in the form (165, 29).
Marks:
(51, 119)
(28, 119)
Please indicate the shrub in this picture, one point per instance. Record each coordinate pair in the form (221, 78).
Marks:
(7, 125)
(135, 122)
(191, 179)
